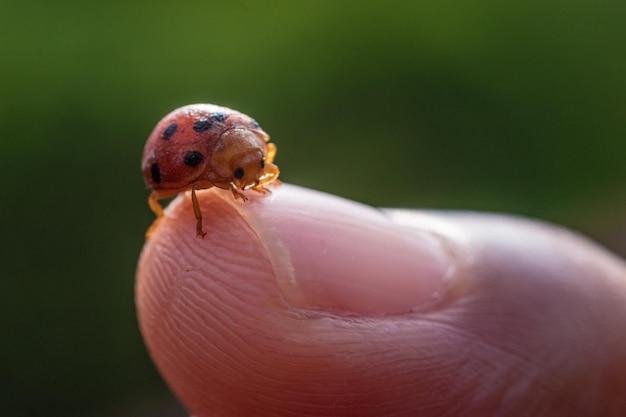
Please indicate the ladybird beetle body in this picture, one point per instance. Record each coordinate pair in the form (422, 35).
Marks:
(202, 146)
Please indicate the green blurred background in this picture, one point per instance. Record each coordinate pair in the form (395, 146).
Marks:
(505, 106)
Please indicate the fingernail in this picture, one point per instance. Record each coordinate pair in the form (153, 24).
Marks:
(337, 255)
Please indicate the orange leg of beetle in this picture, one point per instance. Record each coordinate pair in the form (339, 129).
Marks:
(271, 171)
(155, 206)
(197, 212)
(236, 193)
(158, 210)
(271, 152)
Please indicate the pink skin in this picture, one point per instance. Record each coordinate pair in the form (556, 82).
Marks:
(299, 303)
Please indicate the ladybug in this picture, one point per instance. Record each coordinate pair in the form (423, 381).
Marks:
(202, 146)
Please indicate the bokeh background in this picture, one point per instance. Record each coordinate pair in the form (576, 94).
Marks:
(508, 106)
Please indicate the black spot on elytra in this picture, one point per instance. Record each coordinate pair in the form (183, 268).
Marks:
(169, 131)
(255, 124)
(193, 158)
(202, 125)
(155, 171)
(219, 117)
(239, 173)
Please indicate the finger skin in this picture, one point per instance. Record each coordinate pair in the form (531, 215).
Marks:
(531, 322)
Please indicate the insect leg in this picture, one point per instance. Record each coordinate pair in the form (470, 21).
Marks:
(197, 212)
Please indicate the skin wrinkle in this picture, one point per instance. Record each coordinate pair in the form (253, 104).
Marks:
(168, 267)
(227, 331)
(200, 334)
(541, 369)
